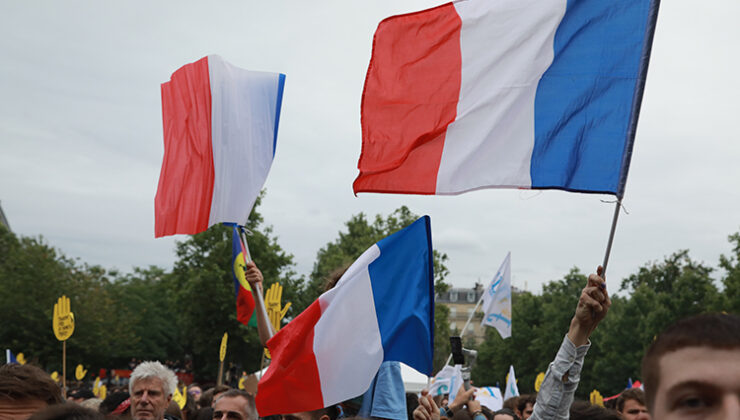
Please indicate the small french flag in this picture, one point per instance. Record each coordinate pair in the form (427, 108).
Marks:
(220, 130)
(382, 309)
(505, 93)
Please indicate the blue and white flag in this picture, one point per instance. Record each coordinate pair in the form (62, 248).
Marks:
(511, 389)
(490, 396)
(447, 381)
(497, 300)
(10, 357)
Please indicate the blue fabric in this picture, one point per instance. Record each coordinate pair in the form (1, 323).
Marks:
(386, 397)
(586, 99)
(402, 280)
(278, 106)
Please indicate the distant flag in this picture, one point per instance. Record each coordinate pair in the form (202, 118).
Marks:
(629, 383)
(446, 381)
(382, 309)
(10, 357)
(497, 300)
(505, 94)
(512, 390)
(490, 396)
(242, 290)
(220, 131)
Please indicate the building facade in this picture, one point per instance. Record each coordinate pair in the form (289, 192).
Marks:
(462, 302)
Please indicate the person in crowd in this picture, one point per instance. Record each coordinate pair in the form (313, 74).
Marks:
(584, 410)
(563, 374)
(234, 404)
(505, 414)
(151, 387)
(692, 369)
(80, 395)
(195, 391)
(116, 405)
(206, 399)
(525, 405)
(24, 390)
(511, 403)
(92, 403)
(326, 413)
(463, 401)
(173, 411)
(67, 412)
(631, 405)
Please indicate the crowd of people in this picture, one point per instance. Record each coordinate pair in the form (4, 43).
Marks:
(691, 371)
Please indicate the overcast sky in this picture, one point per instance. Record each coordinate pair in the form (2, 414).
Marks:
(81, 137)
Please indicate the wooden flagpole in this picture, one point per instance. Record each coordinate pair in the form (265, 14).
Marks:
(64, 369)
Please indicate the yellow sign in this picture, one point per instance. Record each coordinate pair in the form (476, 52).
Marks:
(538, 381)
(181, 397)
(272, 302)
(99, 389)
(241, 382)
(80, 372)
(596, 398)
(63, 320)
(21, 358)
(55, 376)
(222, 352)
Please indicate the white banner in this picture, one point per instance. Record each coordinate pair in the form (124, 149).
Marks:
(497, 300)
(511, 389)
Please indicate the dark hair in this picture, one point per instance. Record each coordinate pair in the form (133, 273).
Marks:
(19, 382)
(112, 401)
(205, 413)
(525, 399)
(583, 410)
(506, 411)
(206, 398)
(68, 411)
(630, 394)
(721, 331)
(511, 403)
(250, 409)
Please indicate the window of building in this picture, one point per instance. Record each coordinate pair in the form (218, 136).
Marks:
(471, 296)
(453, 312)
(453, 296)
(453, 326)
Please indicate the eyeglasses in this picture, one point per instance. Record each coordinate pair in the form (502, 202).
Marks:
(231, 415)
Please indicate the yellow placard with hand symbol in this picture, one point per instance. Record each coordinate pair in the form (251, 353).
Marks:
(181, 397)
(63, 320)
(55, 376)
(222, 350)
(538, 381)
(596, 398)
(272, 303)
(80, 372)
(21, 359)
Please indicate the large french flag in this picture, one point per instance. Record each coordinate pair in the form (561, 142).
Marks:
(382, 309)
(505, 93)
(220, 131)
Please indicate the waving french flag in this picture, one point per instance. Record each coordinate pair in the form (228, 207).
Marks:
(220, 131)
(382, 309)
(505, 93)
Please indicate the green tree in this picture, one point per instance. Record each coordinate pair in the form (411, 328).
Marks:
(203, 294)
(731, 281)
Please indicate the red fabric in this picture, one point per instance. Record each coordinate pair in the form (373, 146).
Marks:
(291, 383)
(183, 200)
(410, 97)
(244, 305)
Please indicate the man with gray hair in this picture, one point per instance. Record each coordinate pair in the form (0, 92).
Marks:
(151, 387)
(234, 404)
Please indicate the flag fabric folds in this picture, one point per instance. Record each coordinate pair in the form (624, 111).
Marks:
(447, 381)
(511, 93)
(382, 309)
(490, 396)
(512, 390)
(242, 290)
(10, 357)
(497, 300)
(220, 130)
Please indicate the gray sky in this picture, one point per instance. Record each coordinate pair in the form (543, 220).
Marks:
(81, 137)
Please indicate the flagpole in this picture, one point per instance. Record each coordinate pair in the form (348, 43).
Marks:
(260, 303)
(64, 369)
(617, 206)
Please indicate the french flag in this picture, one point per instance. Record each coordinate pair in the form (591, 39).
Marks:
(505, 93)
(382, 309)
(220, 130)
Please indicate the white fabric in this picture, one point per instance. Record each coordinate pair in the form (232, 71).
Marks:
(413, 380)
(447, 381)
(497, 300)
(512, 390)
(348, 310)
(490, 396)
(243, 112)
(491, 140)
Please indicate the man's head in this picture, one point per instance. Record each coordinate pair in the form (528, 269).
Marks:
(525, 405)
(631, 405)
(505, 414)
(234, 404)
(151, 387)
(24, 390)
(328, 413)
(693, 369)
